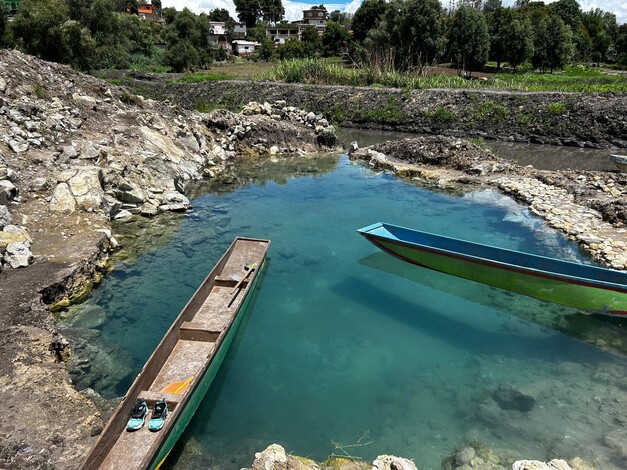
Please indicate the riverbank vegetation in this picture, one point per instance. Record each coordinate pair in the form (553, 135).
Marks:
(322, 72)
(406, 44)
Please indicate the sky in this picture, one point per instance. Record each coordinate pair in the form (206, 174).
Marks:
(293, 10)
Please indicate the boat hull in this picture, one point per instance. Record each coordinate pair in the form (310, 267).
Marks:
(582, 293)
(183, 366)
(204, 383)
(620, 161)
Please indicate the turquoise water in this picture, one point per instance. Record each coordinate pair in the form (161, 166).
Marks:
(345, 343)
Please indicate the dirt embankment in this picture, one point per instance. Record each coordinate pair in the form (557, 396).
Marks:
(595, 120)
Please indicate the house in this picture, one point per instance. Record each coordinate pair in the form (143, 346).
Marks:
(242, 48)
(217, 35)
(315, 16)
(239, 29)
(280, 34)
(12, 6)
(145, 9)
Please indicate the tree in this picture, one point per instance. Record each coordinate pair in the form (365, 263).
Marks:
(3, 23)
(248, 11)
(220, 14)
(415, 32)
(77, 45)
(553, 44)
(602, 29)
(182, 56)
(499, 21)
(311, 41)
(334, 40)
(272, 11)
(519, 41)
(621, 44)
(568, 11)
(292, 49)
(469, 39)
(367, 17)
(37, 27)
(266, 50)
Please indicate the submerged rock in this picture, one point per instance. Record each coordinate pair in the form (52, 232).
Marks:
(510, 399)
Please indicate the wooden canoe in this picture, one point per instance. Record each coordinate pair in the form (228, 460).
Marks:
(184, 363)
(581, 286)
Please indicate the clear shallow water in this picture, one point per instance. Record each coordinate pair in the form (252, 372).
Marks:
(344, 341)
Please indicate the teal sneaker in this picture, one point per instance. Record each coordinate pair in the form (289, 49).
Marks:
(158, 415)
(138, 415)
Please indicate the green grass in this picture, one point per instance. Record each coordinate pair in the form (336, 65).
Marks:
(323, 72)
(203, 77)
(441, 115)
(488, 111)
(557, 109)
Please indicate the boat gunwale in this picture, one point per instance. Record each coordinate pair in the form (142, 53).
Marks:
(584, 281)
(116, 423)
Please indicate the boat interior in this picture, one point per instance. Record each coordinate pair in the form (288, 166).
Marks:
(179, 363)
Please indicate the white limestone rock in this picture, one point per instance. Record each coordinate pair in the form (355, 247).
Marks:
(62, 199)
(555, 464)
(390, 462)
(18, 255)
(5, 217)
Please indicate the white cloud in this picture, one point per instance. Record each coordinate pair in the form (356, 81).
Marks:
(293, 10)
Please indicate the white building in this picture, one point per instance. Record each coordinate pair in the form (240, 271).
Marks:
(241, 47)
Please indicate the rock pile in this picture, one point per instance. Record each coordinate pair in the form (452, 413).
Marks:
(275, 457)
(279, 110)
(80, 145)
(582, 224)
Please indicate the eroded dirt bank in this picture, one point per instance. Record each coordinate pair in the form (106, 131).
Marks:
(596, 120)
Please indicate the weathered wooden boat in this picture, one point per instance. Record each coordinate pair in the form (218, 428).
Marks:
(581, 286)
(620, 161)
(185, 362)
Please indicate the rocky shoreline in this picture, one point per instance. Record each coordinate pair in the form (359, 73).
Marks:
(77, 153)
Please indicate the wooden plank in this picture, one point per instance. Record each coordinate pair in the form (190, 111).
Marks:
(196, 331)
(186, 360)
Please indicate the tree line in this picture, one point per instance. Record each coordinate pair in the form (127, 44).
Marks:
(404, 35)
(411, 34)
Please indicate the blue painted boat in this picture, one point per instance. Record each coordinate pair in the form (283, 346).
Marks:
(586, 287)
(184, 364)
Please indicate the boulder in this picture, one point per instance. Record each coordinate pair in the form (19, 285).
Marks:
(17, 255)
(5, 217)
(510, 399)
(555, 464)
(89, 151)
(86, 187)
(69, 152)
(8, 191)
(390, 462)
(62, 199)
(274, 457)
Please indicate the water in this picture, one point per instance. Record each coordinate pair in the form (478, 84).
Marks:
(347, 345)
(541, 157)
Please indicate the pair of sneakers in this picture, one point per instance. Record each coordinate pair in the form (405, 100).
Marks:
(139, 412)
